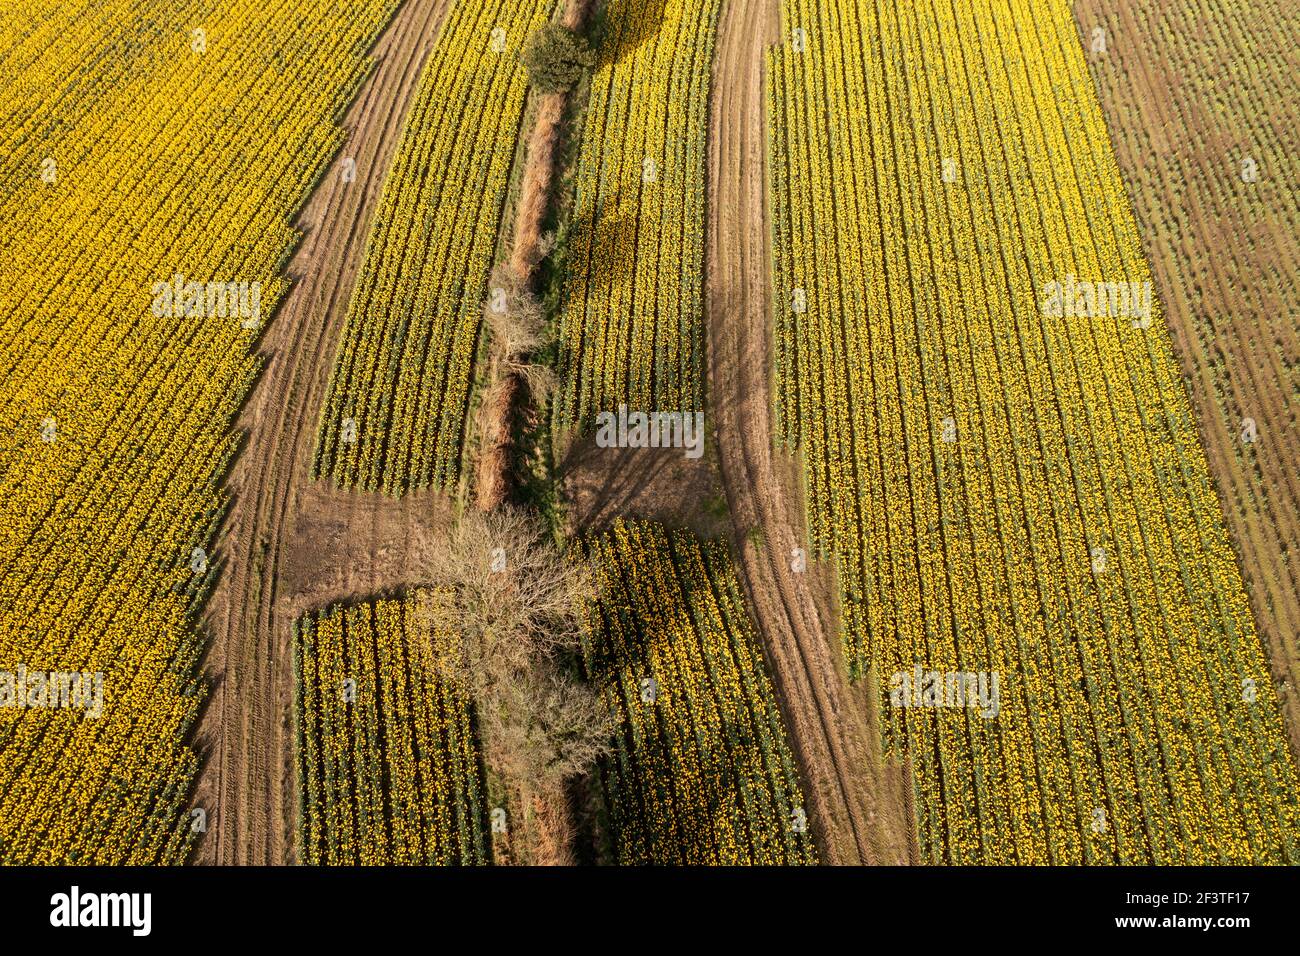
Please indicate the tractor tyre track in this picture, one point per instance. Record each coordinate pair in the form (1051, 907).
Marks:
(858, 802)
(289, 544)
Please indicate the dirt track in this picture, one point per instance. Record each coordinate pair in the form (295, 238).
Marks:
(858, 802)
(289, 544)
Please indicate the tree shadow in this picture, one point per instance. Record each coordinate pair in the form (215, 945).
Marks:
(609, 239)
(621, 486)
(623, 26)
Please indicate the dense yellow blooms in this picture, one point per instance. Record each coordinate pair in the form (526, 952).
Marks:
(631, 326)
(388, 765)
(138, 141)
(701, 772)
(398, 401)
(1003, 490)
(1210, 168)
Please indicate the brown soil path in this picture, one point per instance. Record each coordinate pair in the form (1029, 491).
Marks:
(858, 802)
(289, 544)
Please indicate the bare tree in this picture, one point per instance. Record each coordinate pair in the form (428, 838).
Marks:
(515, 322)
(514, 317)
(504, 607)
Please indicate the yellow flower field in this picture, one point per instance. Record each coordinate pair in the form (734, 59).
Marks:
(153, 156)
(701, 772)
(388, 765)
(1005, 470)
(631, 322)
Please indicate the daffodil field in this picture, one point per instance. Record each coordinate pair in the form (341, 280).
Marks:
(398, 401)
(631, 322)
(1006, 475)
(388, 765)
(701, 772)
(152, 157)
(1214, 190)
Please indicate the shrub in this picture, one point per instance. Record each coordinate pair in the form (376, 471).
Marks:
(555, 57)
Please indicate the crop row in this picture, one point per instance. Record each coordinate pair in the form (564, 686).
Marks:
(701, 771)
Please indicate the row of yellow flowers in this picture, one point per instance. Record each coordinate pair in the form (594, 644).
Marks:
(395, 414)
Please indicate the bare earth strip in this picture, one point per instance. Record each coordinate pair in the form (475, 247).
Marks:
(288, 544)
(859, 802)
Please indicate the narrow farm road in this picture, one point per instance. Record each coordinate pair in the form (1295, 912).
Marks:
(289, 544)
(858, 802)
